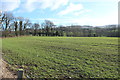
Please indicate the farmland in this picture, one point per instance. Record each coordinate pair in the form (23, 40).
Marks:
(75, 57)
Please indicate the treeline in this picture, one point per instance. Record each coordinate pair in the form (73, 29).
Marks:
(90, 31)
(19, 26)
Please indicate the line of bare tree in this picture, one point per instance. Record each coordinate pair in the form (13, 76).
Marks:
(19, 26)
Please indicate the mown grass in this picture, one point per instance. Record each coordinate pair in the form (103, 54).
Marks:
(75, 57)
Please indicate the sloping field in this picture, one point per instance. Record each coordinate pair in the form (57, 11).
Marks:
(75, 57)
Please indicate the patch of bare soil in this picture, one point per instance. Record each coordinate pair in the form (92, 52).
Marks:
(4, 70)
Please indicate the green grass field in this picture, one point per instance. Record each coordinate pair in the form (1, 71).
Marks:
(75, 57)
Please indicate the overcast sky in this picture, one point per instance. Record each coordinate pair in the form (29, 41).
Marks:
(65, 12)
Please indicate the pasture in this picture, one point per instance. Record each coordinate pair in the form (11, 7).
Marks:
(61, 57)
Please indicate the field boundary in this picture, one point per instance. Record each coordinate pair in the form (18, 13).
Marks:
(7, 71)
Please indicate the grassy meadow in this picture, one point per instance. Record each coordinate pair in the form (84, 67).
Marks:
(61, 57)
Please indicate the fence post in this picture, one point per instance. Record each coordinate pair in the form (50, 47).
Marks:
(20, 74)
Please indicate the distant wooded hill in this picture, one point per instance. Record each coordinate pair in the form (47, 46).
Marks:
(19, 26)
